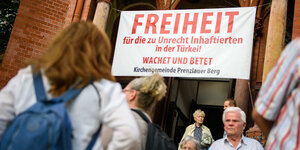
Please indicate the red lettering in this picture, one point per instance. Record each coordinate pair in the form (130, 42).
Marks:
(205, 22)
(230, 20)
(156, 60)
(218, 23)
(136, 22)
(187, 22)
(152, 24)
(147, 60)
(164, 23)
(176, 23)
(170, 22)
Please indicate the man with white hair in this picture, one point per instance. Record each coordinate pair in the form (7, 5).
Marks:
(234, 120)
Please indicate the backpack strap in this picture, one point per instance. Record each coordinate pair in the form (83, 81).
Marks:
(39, 86)
(94, 138)
(41, 94)
(97, 91)
(96, 134)
(68, 95)
(141, 114)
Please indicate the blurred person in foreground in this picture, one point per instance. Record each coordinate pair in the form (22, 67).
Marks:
(190, 143)
(277, 108)
(234, 120)
(78, 55)
(198, 130)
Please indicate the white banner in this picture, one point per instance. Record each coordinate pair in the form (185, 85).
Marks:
(206, 43)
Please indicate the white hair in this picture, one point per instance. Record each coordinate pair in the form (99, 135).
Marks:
(235, 109)
(197, 143)
(197, 112)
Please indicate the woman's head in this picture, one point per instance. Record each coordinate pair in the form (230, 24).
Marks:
(81, 51)
(146, 91)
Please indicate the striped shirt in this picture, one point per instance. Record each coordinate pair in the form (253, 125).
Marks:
(279, 100)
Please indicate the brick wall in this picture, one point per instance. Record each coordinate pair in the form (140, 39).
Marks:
(70, 13)
(36, 23)
(296, 25)
(85, 11)
(261, 55)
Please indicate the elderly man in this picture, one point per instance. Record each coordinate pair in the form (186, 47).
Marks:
(228, 103)
(234, 120)
(190, 143)
(198, 130)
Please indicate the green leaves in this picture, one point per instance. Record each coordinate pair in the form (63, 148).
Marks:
(8, 12)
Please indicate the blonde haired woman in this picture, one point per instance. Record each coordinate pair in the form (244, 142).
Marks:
(198, 130)
(79, 54)
(143, 94)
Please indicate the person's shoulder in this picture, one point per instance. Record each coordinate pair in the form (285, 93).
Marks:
(25, 71)
(106, 82)
(107, 85)
(109, 90)
(218, 142)
(24, 74)
(250, 140)
(295, 42)
(253, 143)
(137, 116)
(190, 126)
(205, 127)
(292, 47)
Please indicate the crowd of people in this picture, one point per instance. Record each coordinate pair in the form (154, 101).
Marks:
(79, 57)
